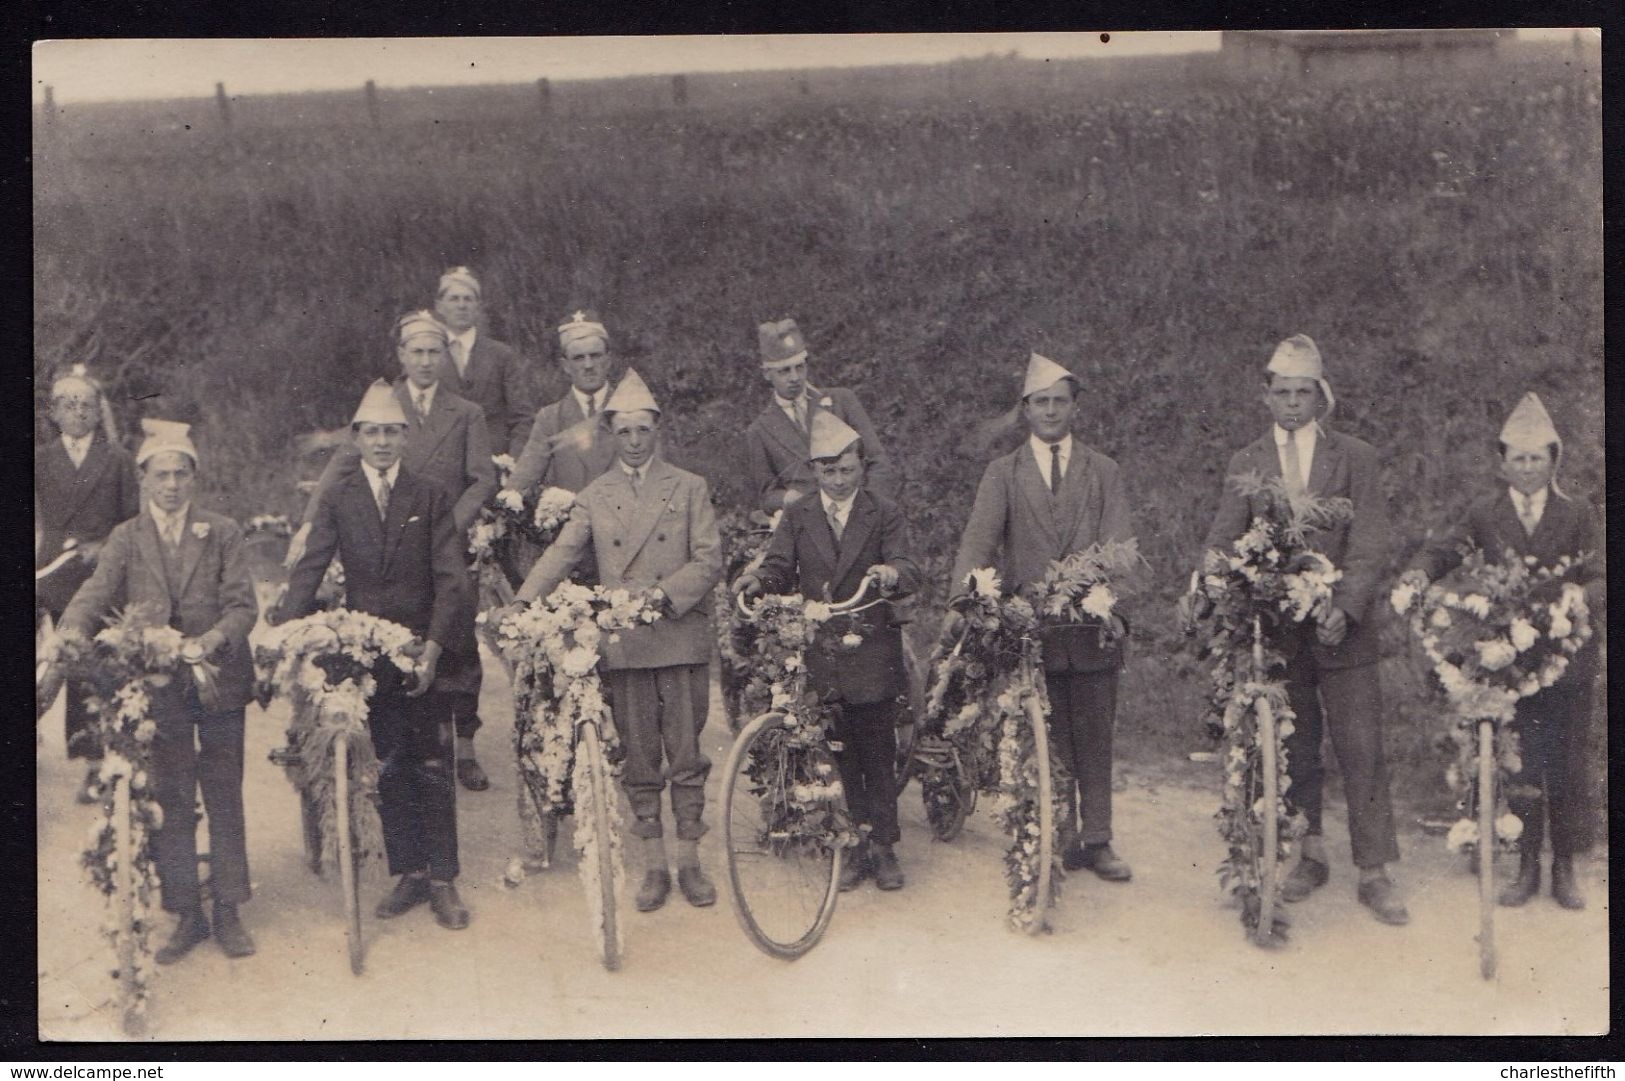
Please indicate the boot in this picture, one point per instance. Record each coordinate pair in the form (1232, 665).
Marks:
(656, 877)
(888, 875)
(192, 929)
(1310, 873)
(229, 931)
(697, 888)
(1518, 892)
(855, 867)
(1565, 888)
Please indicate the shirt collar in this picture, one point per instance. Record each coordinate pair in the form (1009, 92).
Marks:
(467, 338)
(1042, 449)
(390, 474)
(1536, 501)
(640, 472)
(415, 392)
(839, 507)
(597, 398)
(1306, 435)
(790, 403)
(81, 443)
(167, 522)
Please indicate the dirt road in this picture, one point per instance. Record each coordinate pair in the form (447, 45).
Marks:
(1163, 955)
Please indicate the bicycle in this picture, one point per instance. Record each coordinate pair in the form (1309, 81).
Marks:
(784, 819)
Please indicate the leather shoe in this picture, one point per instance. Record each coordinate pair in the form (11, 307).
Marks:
(191, 930)
(1073, 857)
(888, 875)
(230, 933)
(449, 910)
(1565, 888)
(1518, 892)
(1104, 863)
(472, 776)
(1379, 895)
(696, 886)
(854, 869)
(1307, 877)
(652, 894)
(409, 892)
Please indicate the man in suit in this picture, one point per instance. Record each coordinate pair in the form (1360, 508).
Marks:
(1331, 668)
(405, 560)
(489, 373)
(651, 527)
(822, 549)
(1531, 516)
(84, 485)
(1048, 498)
(445, 443)
(186, 568)
(776, 441)
(569, 445)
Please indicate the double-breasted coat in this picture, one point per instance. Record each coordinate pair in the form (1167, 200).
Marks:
(83, 503)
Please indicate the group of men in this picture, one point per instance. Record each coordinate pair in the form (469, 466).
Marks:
(396, 505)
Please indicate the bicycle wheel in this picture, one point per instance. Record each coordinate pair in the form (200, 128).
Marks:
(124, 903)
(783, 892)
(310, 830)
(603, 854)
(1268, 858)
(904, 764)
(1046, 815)
(1486, 849)
(346, 852)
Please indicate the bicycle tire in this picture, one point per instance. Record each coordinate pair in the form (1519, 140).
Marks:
(598, 777)
(791, 936)
(348, 879)
(124, 845)
(1486, 849)
(1269, 856)
(1046, 816)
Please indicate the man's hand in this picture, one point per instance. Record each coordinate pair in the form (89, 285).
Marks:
(1333, 628)
(953, 622)
(88, 551)
(296, 545)
(428, 661)
(792, 496)
(885, 576)
(201, 648)
(747, 585)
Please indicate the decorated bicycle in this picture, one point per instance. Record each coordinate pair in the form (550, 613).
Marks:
(506, 523)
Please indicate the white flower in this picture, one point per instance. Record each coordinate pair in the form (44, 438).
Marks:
(1561, 626)
(1462, 834)
(1477, 604)
(1523, 634)
(1403, 596)
(851, 640)
(1099, 601)
(1509, 827)
(510, 499)
(1441, 618)
(1495, 654)
(984, 582)
(200, 530)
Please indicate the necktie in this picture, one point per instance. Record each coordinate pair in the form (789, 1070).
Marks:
(423, 403)
(383, 497)
(592, 406)
(76, 452)
(636, 476)
(459, 355)
(1054, 468)
(1291, 467)
(801, 414)
(1526, 512)
(835, 523)
(170, 530)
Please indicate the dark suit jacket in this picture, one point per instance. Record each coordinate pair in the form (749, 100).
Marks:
(564, 450)
(410, 568)
(215, 593)
(804, 557)
(500, 382)
(1019, 528)
(776, 450)
(449, 448)
(1343, 466)
(83, 503)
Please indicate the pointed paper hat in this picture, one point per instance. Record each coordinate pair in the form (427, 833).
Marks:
(412, 324)
(1299, 358)
(781, 342)
(165, 435)
(830, 436)
(631, 394)
(459, 275)
(74, 375)
(1042, 373)
(1530, 426)
(379, 406)
(581, 323)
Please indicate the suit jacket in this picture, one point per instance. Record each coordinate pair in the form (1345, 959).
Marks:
(776, 450)
(499, 382)
(666, 538)
(214, 592)
(1345, 467)
(804, 557)
(410, 568)
(84, 503)
(1019, 527)
(448, 448)
(564, 450)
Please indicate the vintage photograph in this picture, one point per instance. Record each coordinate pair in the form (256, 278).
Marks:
(1056, 534)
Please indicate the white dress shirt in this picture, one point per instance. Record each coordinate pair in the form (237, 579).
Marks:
(789, 405)
(1041, 454)
(838, 510)
(170, 526)
(1530, 508)
(422, 397)
(636, 476)
(1306, 438)
(78, 448)
(596, 400)
(461, 347)
(376, 478)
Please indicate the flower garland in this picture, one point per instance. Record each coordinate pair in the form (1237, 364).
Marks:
(120, 667)
(1269, 581)
(1506, 632)
(551, 649)
(744, 541)
(324, 664)
(509, 516)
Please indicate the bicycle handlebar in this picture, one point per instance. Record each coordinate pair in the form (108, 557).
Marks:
(850, 606)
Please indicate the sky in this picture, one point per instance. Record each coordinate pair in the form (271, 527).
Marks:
(137, 69)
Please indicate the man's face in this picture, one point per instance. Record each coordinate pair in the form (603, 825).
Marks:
(380, 444)
(1293, 400)
(840, 477)
(168, 478)
(1049, 411)
(458, 307)
(788, 378)
(75, 410)
(637, 434)
(586, 362)
(1528, 469)
(421, 356)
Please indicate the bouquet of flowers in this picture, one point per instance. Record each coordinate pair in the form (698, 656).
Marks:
(1084, 587)
(1268, 581)
(511, 515)
(744, 541)
(1504, 631)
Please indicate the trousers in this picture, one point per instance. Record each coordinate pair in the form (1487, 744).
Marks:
(868, 766)
(416, 795)
(661, 711)
(195, 749)
(1345, 703)
(1083, 715)
(1551, 727)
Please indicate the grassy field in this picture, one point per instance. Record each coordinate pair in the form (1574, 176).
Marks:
(1157, 229)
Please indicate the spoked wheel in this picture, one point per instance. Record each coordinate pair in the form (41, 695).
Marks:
(311, 830)
(348, 879)
(1268, 859)
(124, 901)
(903, 764)
(783, 892)
(1046, 815)
(1486, 849)
(597, 777)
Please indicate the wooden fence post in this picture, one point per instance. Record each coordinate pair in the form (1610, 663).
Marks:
(372, 102)
(224, 103)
